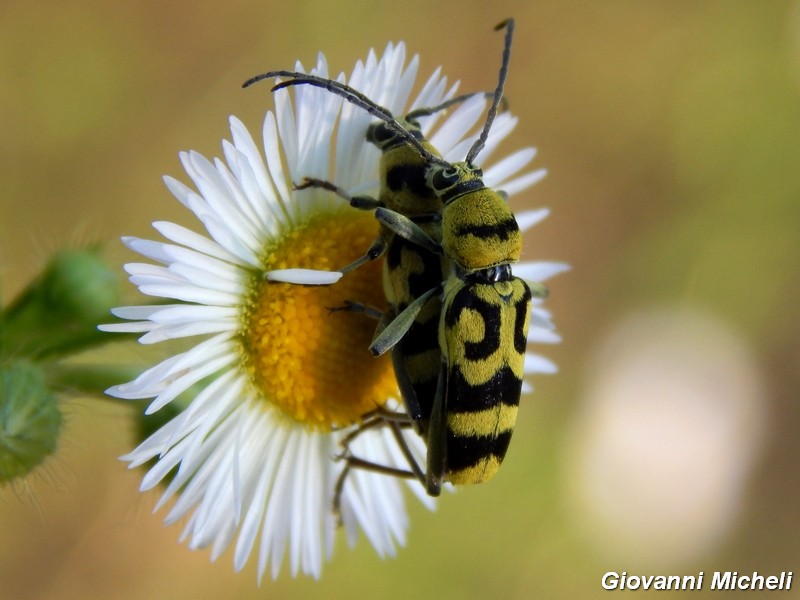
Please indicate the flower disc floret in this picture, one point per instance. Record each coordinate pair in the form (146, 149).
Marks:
(301, 351)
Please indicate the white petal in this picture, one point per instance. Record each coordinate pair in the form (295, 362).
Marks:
(449, 139)
(539, 270)
(137, 327)
(538, 364)
(528, 218)
(304, 276)
(540, 335)
(523, 182)
(494, 176)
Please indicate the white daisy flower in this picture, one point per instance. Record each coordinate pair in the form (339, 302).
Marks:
(251, 458)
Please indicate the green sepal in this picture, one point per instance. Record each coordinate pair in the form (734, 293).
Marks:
(30, 420)
(58, 313)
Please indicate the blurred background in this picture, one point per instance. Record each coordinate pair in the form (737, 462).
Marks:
(666, 444)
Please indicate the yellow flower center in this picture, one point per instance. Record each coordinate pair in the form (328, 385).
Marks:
(310, 362)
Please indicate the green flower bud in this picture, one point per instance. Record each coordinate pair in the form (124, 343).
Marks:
(81, 287)
(59, 312)
(30, 420)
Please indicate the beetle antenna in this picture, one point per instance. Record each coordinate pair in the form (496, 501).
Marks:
(351, 95)
(508, 24)
(430, 110)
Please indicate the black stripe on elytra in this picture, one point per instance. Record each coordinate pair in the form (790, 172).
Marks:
(410, 177)
(394, 253)
(430, 261)
(502, 387)
(419, 282)
(502, 230)
(465, 452)
(431, 276)
(522, 308)
(421, 337)
(425, 390)
(490, 313)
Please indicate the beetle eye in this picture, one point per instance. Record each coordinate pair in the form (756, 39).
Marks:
(378, 133)
(444, 178)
